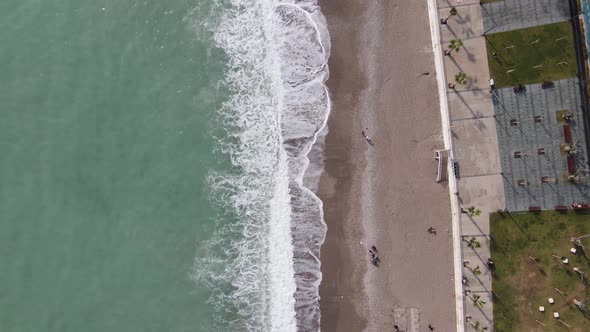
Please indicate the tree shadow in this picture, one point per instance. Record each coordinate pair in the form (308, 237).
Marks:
(473, 112)
(518, 225)
(467, 238)
(464, 22)
(495, 245)
(470, 56)
(471, 84)
(479, 281)
(482, 311)
(447, 2)
(476, 225)
(496, 101)
(450, 29)
(455, 62)
(487, 13)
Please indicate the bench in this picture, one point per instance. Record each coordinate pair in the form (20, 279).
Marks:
(441, 157)
(580, 206)
(547, 85)
(534, 208)
(560, 208)
(567, 134)
(571, 165)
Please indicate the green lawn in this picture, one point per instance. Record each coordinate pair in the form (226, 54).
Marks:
(520, 285)
(514, 51)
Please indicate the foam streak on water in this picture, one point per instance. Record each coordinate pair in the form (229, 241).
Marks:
(263, 264)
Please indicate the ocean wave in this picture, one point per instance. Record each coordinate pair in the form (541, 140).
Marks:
(262, 264)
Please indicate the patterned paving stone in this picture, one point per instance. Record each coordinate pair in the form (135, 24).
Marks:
(527, 122)
(519, 14)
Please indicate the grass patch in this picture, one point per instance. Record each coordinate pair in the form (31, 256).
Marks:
(520, 285)
(483, 2)
(514, 51)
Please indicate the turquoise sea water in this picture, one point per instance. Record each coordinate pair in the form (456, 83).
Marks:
(105, 144)
(153, 158)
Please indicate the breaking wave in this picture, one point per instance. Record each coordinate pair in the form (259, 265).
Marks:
(263, 264)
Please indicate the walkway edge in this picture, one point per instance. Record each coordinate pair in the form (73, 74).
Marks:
(448, 141)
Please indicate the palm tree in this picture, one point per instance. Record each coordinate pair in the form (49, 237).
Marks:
(452, 12)
(476, 271)
(477, 302)
(454, 45)
(477, 327)
(472, 210)
(473, 243)
(460, 78)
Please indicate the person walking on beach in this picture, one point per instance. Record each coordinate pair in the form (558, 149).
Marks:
(430, 327)
(375, 261)
(431, 230)
(374, 256)
(367, 137)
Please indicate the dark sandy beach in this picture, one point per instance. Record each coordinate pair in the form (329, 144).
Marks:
(384, 195)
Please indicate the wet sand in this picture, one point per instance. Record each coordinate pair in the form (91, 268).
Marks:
(384, 195)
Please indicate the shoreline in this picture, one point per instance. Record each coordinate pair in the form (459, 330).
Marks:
(341, 294)
(376, 195)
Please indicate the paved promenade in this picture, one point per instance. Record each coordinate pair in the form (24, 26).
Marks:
(438, 48)
(472, 127)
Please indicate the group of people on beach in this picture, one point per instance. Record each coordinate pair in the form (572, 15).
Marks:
(374, 256)
(373, 253)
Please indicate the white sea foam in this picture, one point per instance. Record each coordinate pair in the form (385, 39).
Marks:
(263, 263)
